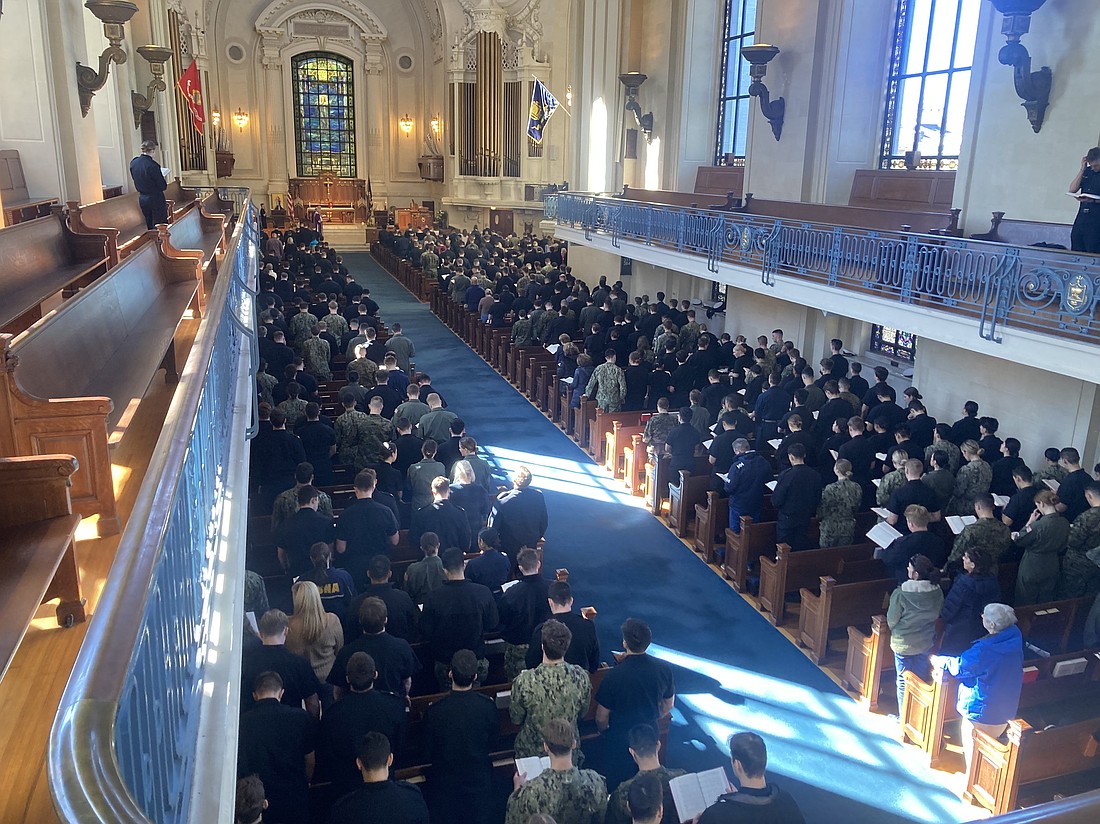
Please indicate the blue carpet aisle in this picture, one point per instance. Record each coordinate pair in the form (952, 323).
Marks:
(734, 671)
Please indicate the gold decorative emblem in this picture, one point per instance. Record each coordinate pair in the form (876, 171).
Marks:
(1077, 293)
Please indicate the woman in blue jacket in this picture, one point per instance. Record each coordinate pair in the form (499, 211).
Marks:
(961, 614)
(990, 675)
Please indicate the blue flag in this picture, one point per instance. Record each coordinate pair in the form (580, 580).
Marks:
(543, 105)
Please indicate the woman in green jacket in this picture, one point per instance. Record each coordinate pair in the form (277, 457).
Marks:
(1042, 541)
(914, 608)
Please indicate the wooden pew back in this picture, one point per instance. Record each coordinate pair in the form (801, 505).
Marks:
(1025, 232)
(855, 216)
(906, 190)
(838, 605)
(120, 218)
(791, 571)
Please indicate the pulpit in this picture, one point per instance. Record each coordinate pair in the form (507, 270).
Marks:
(416, 217)
(339, 200)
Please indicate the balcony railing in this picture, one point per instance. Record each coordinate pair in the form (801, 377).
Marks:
(1044, 290)
(146, 729)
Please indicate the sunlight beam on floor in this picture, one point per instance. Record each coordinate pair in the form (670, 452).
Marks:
(568, 477)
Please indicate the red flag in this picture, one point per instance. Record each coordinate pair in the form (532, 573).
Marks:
(191, 87)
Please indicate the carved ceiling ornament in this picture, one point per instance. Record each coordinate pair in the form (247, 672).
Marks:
(522, 28)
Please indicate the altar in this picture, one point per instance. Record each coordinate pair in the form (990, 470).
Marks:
(339, 200)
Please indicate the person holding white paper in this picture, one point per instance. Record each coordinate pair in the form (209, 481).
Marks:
(919, 541)
(987, 532)
(568, 794)
(1085, 236)
(755, 800)
(644, 745)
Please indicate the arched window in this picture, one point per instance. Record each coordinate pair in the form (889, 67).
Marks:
(929, 82)
(733, 85)
(324, 114)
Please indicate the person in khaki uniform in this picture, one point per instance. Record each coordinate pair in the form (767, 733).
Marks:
(554, 689)
(568, 794)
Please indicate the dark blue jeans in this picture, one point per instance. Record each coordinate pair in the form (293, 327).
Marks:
(920, 665)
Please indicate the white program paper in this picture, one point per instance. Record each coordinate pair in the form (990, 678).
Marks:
(775, 443)
(881, 511)
(883, 534)
(694, 792)
(533, 766)
(772, 485)
(1000, 500)
(553, 348)
(1052, 484)
(959, 522)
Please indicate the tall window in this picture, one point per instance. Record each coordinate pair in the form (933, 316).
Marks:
(929, 82)
(324, 115)
(733, 85)
(895, 344)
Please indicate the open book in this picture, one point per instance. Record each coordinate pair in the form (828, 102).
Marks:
(881, 511)
(883, 534)
(706, 444)
(741, 391)
(1078, 194)
(694, 792)
(1000, 500)
(959, 522)
(553, 348)
(775, 443)
(877, 481)
(533, 766)
(1052, 484)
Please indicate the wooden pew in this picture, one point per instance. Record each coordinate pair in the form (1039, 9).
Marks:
(791, 571)
(757, 538)
(684, 497)
(37, 559)
(634, 464)
(42, 257)
(687, 200)
(838, 605)
(1000, 771)
(120, 218)
(928, 707)
(711, 522)
(616, 442)
(583, 417)
(179, 198)
(195, 229)
(124, 324)
(602, 424)
(893, 220)
(1025, 232)
(916, 190)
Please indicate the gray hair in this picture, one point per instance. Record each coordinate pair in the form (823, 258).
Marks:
(740, 445)
(998, 617)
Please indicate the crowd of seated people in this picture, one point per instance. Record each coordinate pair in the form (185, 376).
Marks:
(841, 443)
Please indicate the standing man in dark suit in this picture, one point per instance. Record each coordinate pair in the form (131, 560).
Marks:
(150, 184)
(796, 497)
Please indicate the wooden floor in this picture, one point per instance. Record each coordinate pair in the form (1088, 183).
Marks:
(32, 687)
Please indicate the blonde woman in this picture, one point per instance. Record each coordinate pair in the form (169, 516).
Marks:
(314, 634)
(472, 498)
(973, 479)
(840, 501)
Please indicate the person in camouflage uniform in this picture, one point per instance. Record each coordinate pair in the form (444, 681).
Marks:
(891, 481)
(315, 355)
(334, 321)
(840, 501)
(459, 284)
(367, 369)
(429, 262)
(658, 427)
(265, 384)
(644, 744)
(939, 478)
(286, 503)
(1051, 469)
(300, 324)
(1080, 575)
(689, 332)
(941, 435)
(522, 332)
(986, 533)
(554, 689)
(541, 326)
(350, 434)
(607, 384)
(293, 407)
(972, 480)
(376, 431)
(568, 794)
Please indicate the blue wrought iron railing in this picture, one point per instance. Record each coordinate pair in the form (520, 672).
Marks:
(1044, 290)
(156, 679)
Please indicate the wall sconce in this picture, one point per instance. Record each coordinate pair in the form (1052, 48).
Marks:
(157, 57)
(406, 124)
(759, 56)
(436, 124)
(1031, 87)
(240, 118)
(633, 81)
(113, 14)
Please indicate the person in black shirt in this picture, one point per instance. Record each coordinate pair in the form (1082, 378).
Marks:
(276, 453)
(443, 518)
(857, 383)
(755, 799)
(989, 442)
(917, 541)
(1085, 236)
(150, 183)
(835, 407)
(394, 659)
(363, 709)
(681, 443)
(379, 800)
(460, 731)
(860, 453)
(457, 616)
(299, 683)
(277, 744)
(796, 497)
(921, 425)
(296, 536)
(1022, 503)
(319, 441)
(522, 607)
(870, 397)
(639, 690)
(401, 612)
(1071, 492)
(448, 452)
(967, 427)
(913, 491)
(519, 515)
(584, 648)
(364, 529)
(1002, 469)
(886, 409)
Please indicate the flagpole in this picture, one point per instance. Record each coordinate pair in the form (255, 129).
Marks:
(559, 102)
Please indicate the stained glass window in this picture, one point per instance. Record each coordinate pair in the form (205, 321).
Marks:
(893, 343)
(929, 82)
(733, 85)
(324, 114)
